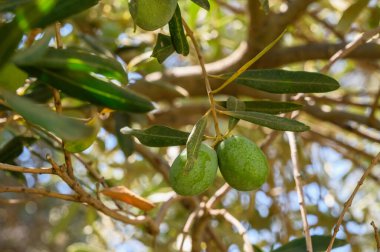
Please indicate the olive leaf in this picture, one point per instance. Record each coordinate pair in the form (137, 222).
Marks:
(202, 3)
(319, 242)
(64, 127)
(267, 120)
(158, 136)
(177, 33)
(194, 142)
(283, 82)
(233, 104)
(268, 107)
(163, 48)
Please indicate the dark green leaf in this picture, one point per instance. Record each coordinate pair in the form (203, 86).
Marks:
(74, 60)
(233, 104)
(158, 136)
(350, 15)
(267, 120)
(178, 34)
(163, 48)
(202, 3)
(320, 243)
(64, 127)
(94, 90)
(126, 142)
(257, 249)
(282, 81)
(41, 13)
(11, 150)
(11, 77)
(268, 107)
(194, 142)
(11, 36)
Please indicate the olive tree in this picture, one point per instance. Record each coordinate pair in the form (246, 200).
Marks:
(156, 125)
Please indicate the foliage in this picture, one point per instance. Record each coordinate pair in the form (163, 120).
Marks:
(107, 106)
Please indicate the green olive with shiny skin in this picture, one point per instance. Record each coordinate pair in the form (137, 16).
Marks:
(152, 14)
(242, 163)
(197, 179)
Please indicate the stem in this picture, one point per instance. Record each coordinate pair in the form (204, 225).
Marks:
(58, 104)
(298, 180)
(190, 34)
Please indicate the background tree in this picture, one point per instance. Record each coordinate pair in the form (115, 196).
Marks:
(75, 59)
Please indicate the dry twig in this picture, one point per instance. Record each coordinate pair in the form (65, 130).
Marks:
(376, 232)
(298, 180)
(363, 38)
(348, 203)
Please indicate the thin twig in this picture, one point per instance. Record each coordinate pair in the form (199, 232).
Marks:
(236, 223)
(351, 47)
(39, 191)
(348, 203)
(58, 104)
(190, 34)
(376, 232)
(186, 228)
(371, 117)
(299, 184)
(14, 168)
(97, 204)
(218, 196)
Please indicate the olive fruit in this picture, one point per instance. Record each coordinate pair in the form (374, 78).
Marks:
(152, 14)
(242, 163)
(197, 179)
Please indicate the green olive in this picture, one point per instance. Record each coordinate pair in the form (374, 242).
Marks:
(199, 177)
(242, 163)
(152, 14)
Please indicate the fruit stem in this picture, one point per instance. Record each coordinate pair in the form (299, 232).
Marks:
(210, 95)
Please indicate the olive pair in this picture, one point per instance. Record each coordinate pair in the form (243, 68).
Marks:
(241, 162)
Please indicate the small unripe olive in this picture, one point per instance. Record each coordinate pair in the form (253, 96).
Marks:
(197, 179)
(242, 163)
(152, 14)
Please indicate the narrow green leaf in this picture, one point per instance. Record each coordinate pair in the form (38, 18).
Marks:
(178, 34)
(202, 3)
(11, 77)
(350, 15)
(158, 136)
(282, 81)
(320, 243)
(267, 120)
(64, 127)
(41, 13)
(11, 36)
(233, 104)
(268, 107)
(126, 142)
(194, 142)
(74, 60)
(163, 48)
(94, 90)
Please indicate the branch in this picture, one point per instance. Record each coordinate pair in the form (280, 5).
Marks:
(376, 232)
(299, 184)
(39, 191)
(13, 168)
(348, 203)
(236, 223)
(349, 48)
